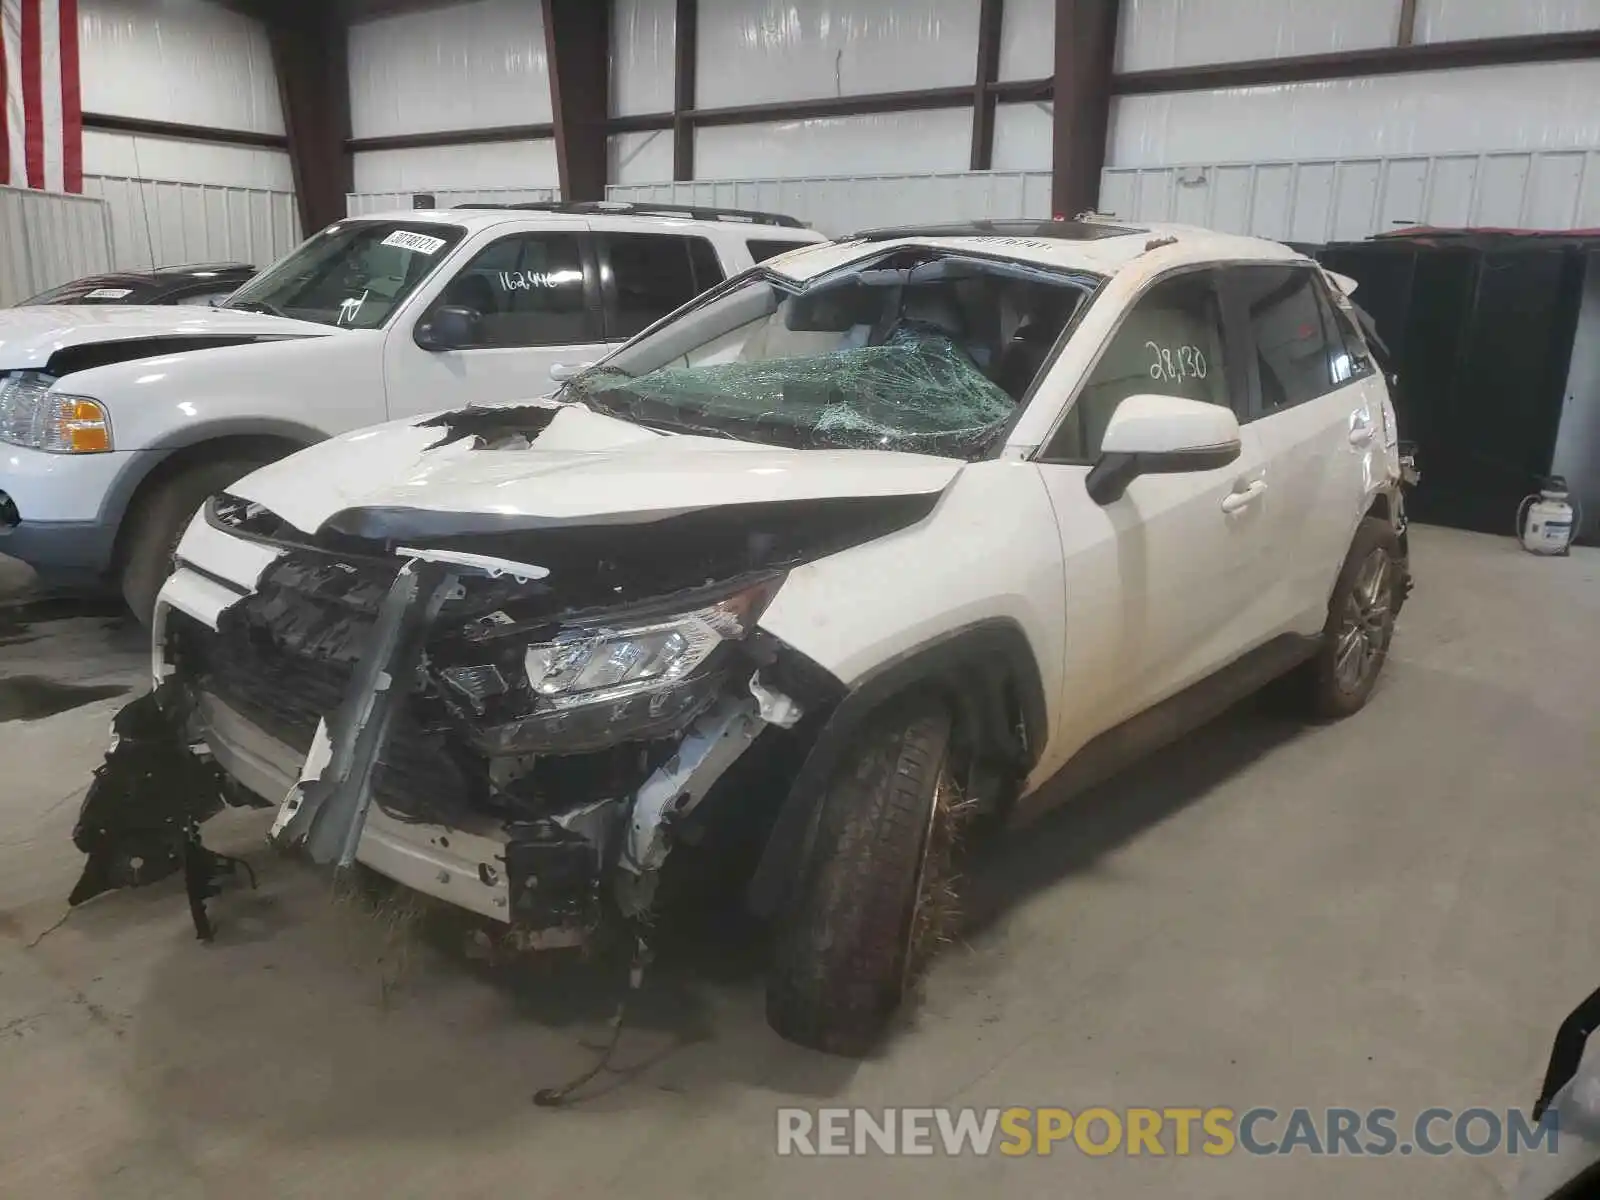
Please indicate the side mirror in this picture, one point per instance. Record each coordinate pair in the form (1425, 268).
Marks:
(1161, 435)
(449, 328)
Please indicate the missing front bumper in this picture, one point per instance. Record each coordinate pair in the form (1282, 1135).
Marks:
(370, 781)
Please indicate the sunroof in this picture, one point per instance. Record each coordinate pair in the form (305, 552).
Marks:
(1066, 231)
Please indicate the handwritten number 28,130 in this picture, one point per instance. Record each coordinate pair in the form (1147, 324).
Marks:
(1184, 362)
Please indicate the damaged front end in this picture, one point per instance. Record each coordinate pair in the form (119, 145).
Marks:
(483, 731)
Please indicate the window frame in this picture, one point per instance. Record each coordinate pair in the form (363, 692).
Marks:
(594, 316)
(610, 322)
(1232, 369)
(1332, 335)
(750, 244)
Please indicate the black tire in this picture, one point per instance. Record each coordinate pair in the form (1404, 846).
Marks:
(875, 888)
(1360, 626)
(157, 525)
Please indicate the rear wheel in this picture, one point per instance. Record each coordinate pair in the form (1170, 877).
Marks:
(876, 893)
(158, 523)
(1360, 626)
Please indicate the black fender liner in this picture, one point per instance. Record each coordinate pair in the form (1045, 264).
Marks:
(988, 672)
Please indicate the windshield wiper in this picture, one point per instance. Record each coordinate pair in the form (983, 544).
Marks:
(258, 306)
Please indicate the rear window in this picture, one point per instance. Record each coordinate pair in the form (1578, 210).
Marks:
(652, 275)
(762, 249)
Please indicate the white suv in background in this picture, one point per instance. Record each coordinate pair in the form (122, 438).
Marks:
(863, 547)
(116, 423)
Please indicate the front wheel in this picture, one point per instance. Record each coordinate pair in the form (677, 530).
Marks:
(876, 889)
(1360, 626)
(158, 524)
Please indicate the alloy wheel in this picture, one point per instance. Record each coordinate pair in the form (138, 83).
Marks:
(1364, 629)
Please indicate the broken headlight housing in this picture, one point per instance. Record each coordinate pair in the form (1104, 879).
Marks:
(599, 683)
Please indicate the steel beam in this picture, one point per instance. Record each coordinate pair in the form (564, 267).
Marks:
(110, 123)
(1086, 35)
(311, 57)
(1356, 64)
(991, 19)
(577, 36)
(686, 60)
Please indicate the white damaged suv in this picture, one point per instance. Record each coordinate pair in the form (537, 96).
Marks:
(861, 547)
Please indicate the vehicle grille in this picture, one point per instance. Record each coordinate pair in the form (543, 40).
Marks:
(282, 659)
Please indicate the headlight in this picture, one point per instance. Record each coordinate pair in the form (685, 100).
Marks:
(32, 416)
(593, 667)
(600, 684)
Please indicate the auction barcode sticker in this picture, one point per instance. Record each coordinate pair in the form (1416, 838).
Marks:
(108, 294)
(420, 242)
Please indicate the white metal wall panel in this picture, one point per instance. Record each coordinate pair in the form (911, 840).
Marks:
(358, 204)
(756, 51)
(640, 157)
(1350, 199)
(186, 162)
(1155, 34)
(643, 56)
(530, 164)
(1459, 20)
(1028, 39)
(1544, 107)
(48, 239)
(1023, 136)
(161, 224)
(187, 61)
(462, 67)
(938, 140)
(841, 204)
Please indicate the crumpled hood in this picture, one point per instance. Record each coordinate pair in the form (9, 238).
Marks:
(30, 336)
(582, 468)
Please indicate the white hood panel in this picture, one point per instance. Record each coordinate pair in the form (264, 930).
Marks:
(29, 336)
(584, 467)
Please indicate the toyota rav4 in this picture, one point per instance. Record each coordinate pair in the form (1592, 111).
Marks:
(836, 564)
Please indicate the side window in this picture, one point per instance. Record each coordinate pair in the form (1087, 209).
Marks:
(1357, 361)
(762, 249)
(1296, 346)
(653, 274)
(528, 290)
(1169, 343)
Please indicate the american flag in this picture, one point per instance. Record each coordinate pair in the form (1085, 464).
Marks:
(41, 109)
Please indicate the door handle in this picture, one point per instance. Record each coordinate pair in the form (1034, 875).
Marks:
(1361, 431)
(561, 372)
(1238, 501)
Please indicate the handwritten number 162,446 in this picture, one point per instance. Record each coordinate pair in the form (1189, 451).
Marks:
(1184, 362)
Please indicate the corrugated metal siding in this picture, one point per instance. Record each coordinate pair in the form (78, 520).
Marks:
(458, 67)
(155, 223)
(48, 239)
(757, 51)
(360, 203)
(1318, 200)
(841, 204)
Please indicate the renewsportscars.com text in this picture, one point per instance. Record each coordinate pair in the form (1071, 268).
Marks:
(1177, 1131)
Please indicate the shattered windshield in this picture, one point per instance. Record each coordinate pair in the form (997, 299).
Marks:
(916, 350)
(353, 274)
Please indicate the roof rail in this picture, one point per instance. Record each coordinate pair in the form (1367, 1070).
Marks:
(628, 208)
(1014, 227)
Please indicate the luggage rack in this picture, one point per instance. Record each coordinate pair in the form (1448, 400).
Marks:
(628, 208)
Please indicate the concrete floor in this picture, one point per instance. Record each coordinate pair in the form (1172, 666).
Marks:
(1393, 911)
